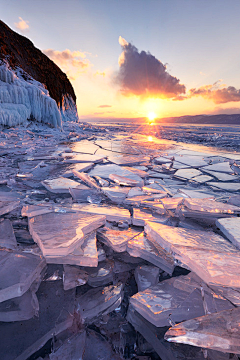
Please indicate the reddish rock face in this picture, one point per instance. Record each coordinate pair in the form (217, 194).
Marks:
(20, 52)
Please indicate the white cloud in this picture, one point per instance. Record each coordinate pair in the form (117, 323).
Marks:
(22, 24)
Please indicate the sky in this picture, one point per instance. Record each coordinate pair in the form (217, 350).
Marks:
(132, 58)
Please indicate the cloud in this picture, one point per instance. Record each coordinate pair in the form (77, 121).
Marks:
(22, 24)
(105, 106)
(217, 94)
(142, 74)
(74, 63)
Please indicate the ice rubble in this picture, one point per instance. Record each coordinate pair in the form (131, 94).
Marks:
(94, 257)
(21, 100)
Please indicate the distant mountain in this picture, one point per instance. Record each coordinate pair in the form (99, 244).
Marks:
(232, 119)
(20, 56)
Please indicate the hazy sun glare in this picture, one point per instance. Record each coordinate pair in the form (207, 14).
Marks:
(151, 116)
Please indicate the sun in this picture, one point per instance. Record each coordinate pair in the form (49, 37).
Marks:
(151, 116)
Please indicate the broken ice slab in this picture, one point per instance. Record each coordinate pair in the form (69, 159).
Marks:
(194, 161)
(116, 194)
(146, 276)
(7, 237)
(163, 160)
(141, 173)
(98, 300)
(60, 185)
(187, 174)
(82, 193)
(85, 147)
(18, 271)
(20, 308)
(234, 200)
(104, 172)
(210, 256)
(73, 276)
(112, 213)
(122, 180)
(85, 254)
(175, 300)
(221, 176)
(171, 203)
(128, 160)
(211, 207)
(199, 194)
(219, 167)
(158, 175)
(102, 275)
(230, 227)
(8, 202)
(154, 189)
(72, 348)
(77, 167)
(141, 247)
(81, 158)
(140, 217)
(56, 308)
(144, 200)
(220, 331)
(60, 234)
(201, 179)
(34, 210)
(227, 186)
(169, 351)
(116, 239)
(87, 179)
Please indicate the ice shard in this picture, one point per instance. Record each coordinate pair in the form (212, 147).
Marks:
(230, 227)
(123, 180)
(146, 276)
(116, 239)
(219, 331)
(112, 213)
(7, 237)
(60, 234)
(73, 276)
(60, 185)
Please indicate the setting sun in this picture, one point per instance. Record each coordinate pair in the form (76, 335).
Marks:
(151, 116)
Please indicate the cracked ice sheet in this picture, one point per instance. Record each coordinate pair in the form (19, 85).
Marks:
(194, 161)
(56, 308)
(104, 172)
(112, 213)
(7, 237)
(18, 271)
(116, 239)
(211, 207)
(98, 300)
(60, 185)
(210, 256)
(177, 298)
(60, 234)
(220, 331)
(232, 186)
(165, 350)
(187, 174)
(230, 227)
(71, 158)
(140, 217)
(219, 167)
(8, 201)
(141, 247)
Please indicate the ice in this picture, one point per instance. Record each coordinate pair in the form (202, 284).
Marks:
(211, 206)
(60, 234)
(221, 176)
(81, 158)
(186, 174)
(140, 217)
(87, 179)
(7, 205)
(175, 300)
(146, 276)
(104, 172)
(230, 227)
(209, 255)
(194, 161)
(73, 276)
(122, 180)
(102, 275)
(84, 255)
(116, 194)
(154, 188)
(218, 331)
(81, 167)
(116, 239)
(60, 185)
(219, 167)
(19, 340)
(21, 100)
(162, 160)
(201, 179)
(128, 160)
(143, 174)
(82, 193)
(98, 300)
(18, 271)
(141, 247)
(112, 213)
(198, 194)
(170, 351)
(34, 210)
(85, 147)
(227, 186)
(72, 348)
(7, 237)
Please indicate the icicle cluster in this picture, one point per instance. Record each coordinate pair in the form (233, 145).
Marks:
(21, 100)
